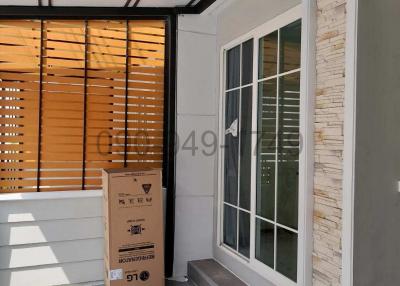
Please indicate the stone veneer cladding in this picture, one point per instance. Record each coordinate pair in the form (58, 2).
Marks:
(329, 117)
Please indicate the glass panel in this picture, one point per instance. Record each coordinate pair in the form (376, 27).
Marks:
(268, 56)
(230, 226)
(244, 233)
(286, 253)
(288, 151)
(290, 47)
(247, 62)
(233, 68)
(265, 242)
(266, 149)
(231, 147)
(245, 147)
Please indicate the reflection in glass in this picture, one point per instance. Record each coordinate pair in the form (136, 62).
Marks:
(244, 233)
(230, 226)
(247, 62)
(231, 147)
(288, 150)
(265, 242)
(233, 68)
(268, 56)
(245, 147)
(290, 47)
(266, 149)
(286, 253)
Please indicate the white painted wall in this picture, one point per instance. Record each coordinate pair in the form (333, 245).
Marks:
(47, 241)
(241, 16)
(197, 112)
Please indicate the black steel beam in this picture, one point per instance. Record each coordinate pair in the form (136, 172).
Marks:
(87, 13)
(128, 2)
(203, 5)
(53, 12)
(136, 3)
(190, 3)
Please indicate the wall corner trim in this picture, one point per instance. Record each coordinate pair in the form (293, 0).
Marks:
(349, 142)
(307, 110)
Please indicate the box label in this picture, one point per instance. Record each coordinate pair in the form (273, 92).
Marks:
(116, 274)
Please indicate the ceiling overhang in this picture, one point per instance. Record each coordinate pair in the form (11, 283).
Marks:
(49, 9)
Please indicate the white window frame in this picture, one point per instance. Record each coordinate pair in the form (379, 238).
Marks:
(306, 160)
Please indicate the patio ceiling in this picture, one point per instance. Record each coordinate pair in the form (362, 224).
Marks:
(92, 8)
(103, 3)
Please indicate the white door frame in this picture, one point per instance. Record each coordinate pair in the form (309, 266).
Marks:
(307, 111)
(306, 11)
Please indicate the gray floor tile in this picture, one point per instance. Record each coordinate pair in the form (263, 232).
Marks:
(174, 283)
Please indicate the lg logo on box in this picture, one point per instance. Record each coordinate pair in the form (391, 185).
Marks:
(143, 276)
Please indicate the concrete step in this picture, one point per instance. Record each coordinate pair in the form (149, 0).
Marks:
(210, 273)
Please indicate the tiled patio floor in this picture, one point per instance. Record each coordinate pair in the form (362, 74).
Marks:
(167, 283)
(174, 283)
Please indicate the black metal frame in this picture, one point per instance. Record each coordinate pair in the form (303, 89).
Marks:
(126, 93)
(40, 107)
(85, 106)
(170, 139)
(90, 13)
(169, 120)
(131, 13)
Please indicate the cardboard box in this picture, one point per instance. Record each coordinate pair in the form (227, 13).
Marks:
(133, 220)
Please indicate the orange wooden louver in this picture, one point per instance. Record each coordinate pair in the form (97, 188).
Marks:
(76, 97)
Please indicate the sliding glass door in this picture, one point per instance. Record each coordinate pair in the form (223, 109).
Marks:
(278, 149)
(238, 110)
(260, 160)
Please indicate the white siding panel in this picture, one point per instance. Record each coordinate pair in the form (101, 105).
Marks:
(51, 239)
(59, 274)
(51, 253)
(23, 211)
(49, 231)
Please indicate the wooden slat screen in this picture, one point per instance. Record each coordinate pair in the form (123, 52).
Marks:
(76, 97)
